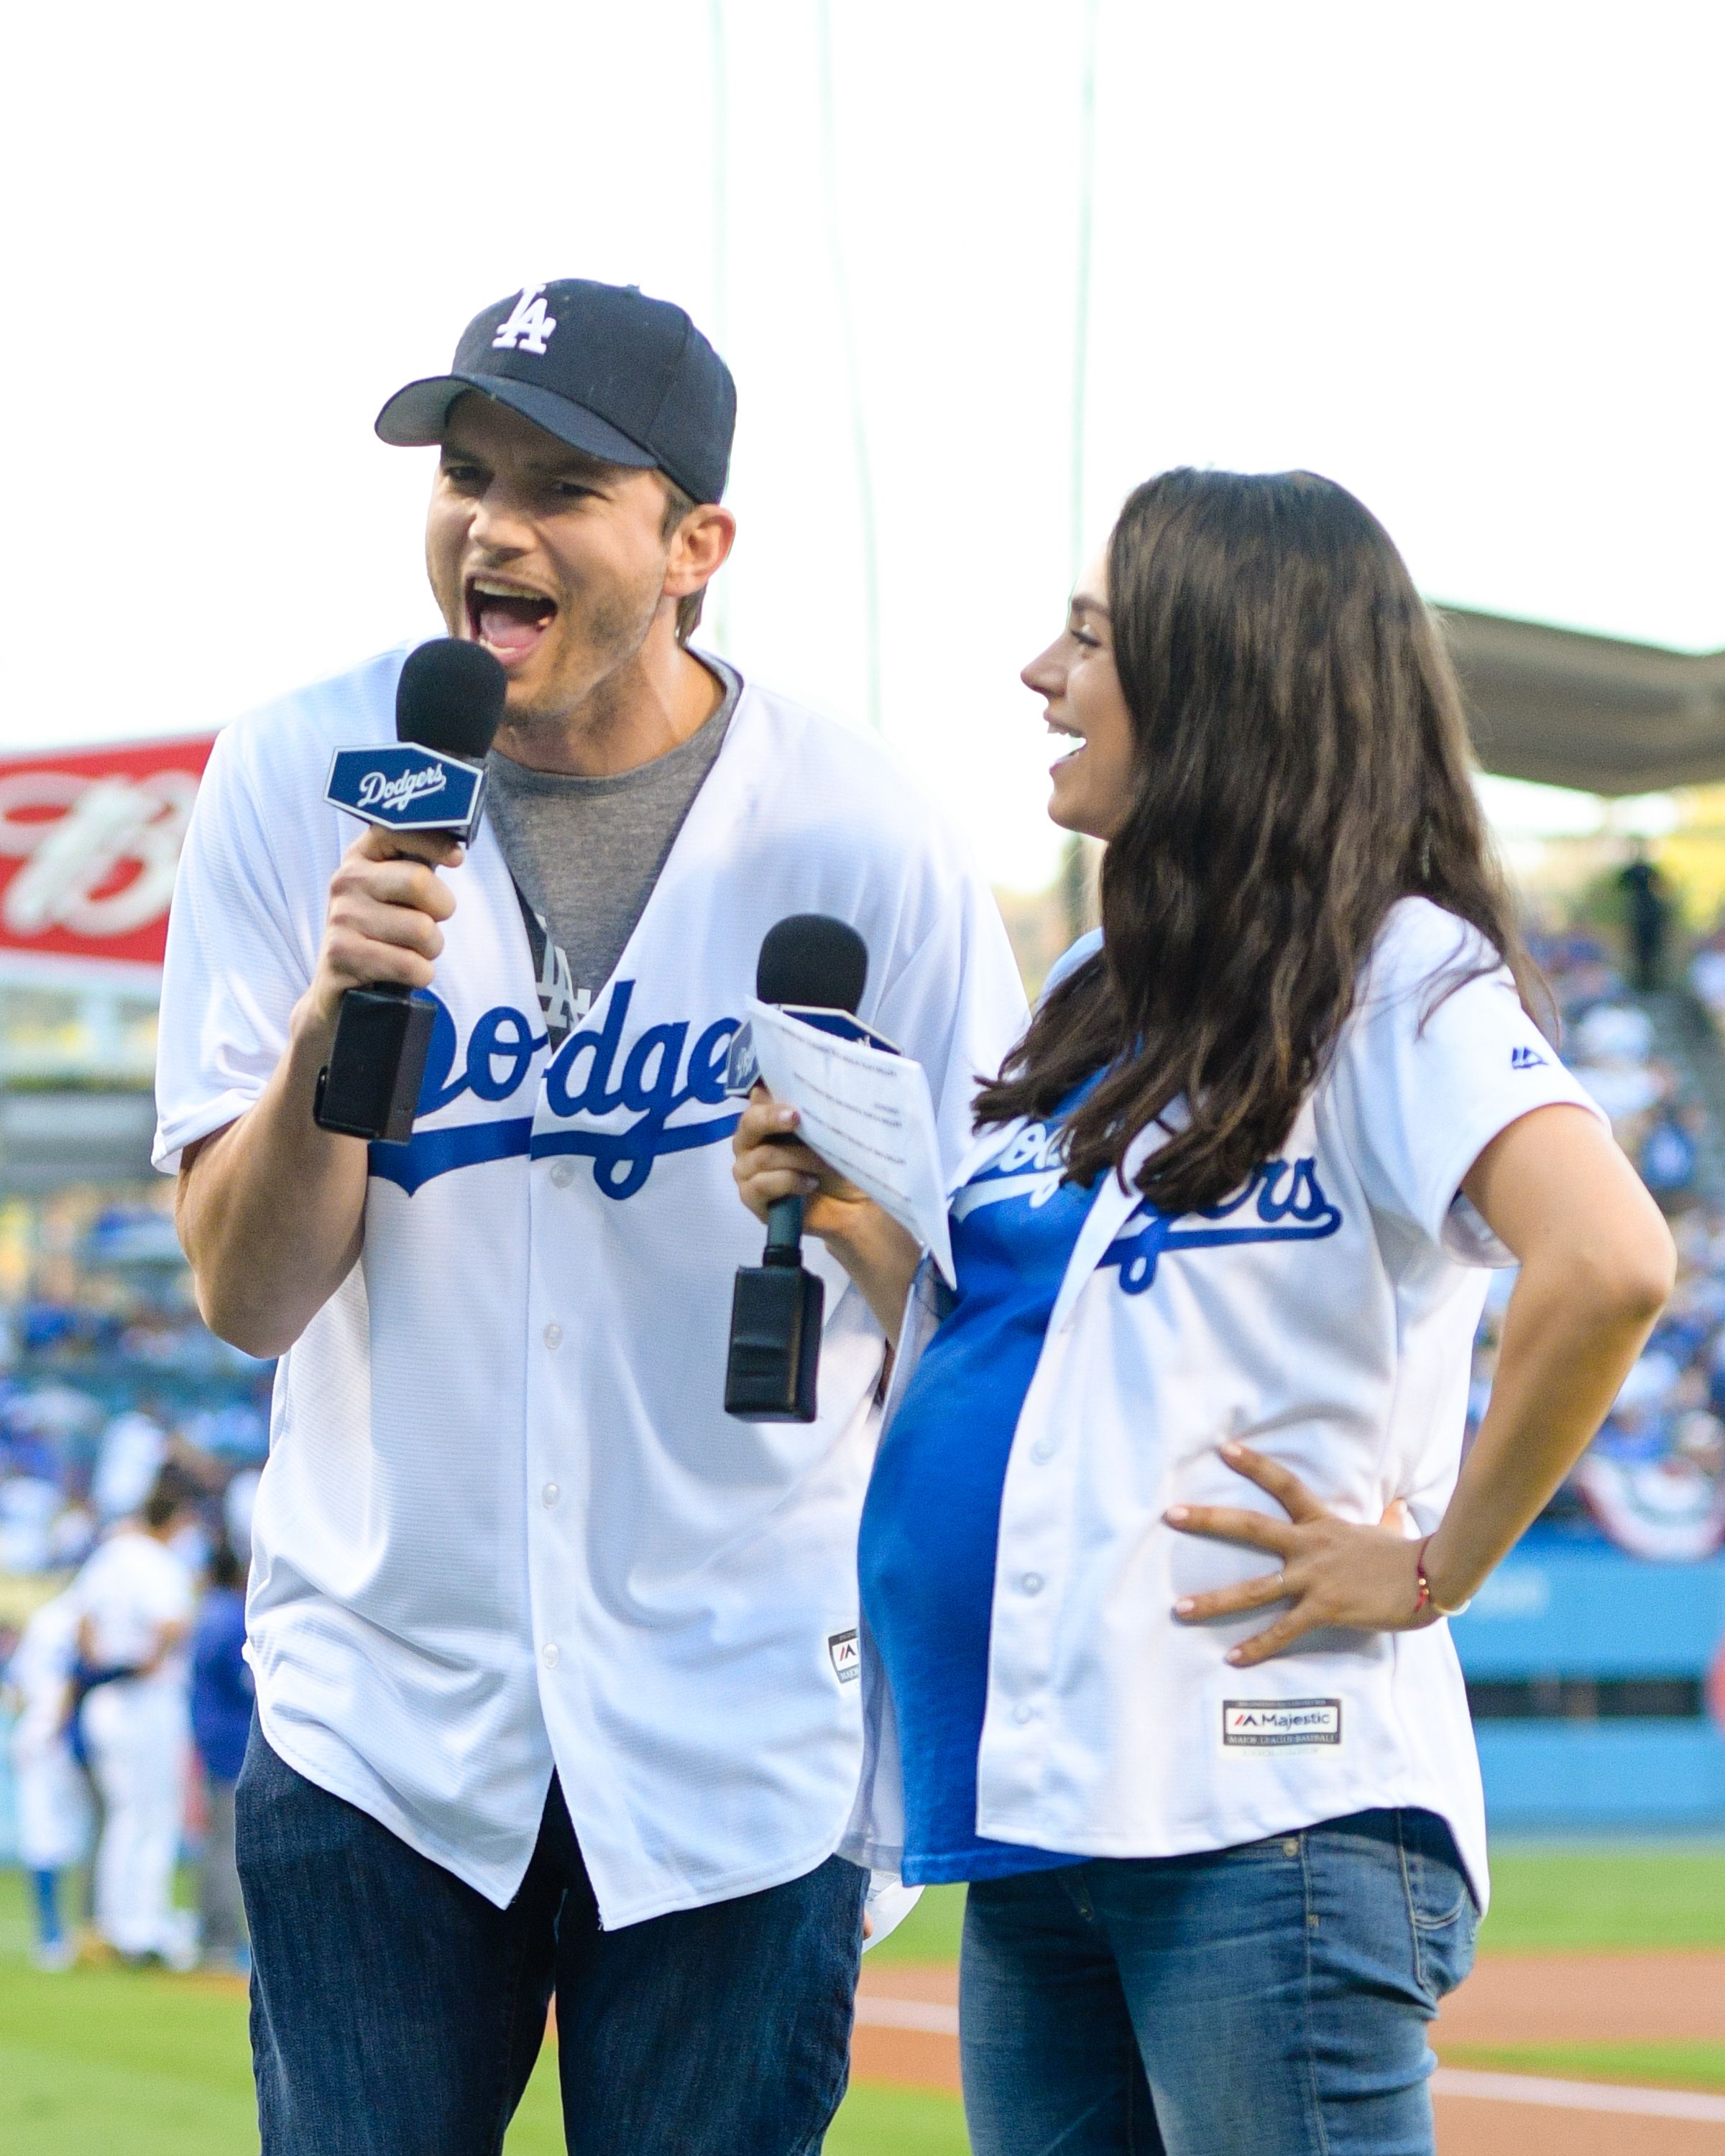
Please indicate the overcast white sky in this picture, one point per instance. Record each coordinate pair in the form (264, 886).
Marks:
(1464, 258)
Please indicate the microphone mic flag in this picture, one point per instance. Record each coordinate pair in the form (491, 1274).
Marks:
(810, 961)
(448, 706)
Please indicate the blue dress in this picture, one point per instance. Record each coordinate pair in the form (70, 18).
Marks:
(926, 1557)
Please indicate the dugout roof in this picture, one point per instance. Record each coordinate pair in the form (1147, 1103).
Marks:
(1589, 711)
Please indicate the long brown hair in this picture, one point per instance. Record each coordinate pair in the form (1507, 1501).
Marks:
(1301, 763)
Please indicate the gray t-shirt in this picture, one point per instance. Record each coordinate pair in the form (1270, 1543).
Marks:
(587, 852)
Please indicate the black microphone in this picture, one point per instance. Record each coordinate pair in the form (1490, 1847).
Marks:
(810, 961)
(448, 706)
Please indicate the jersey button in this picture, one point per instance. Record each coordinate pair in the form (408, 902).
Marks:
(1042, 1452)
(553, 1336)
(1022, 1713)
(563, 1175)
(549, 1495)
(1031, 1583)
(549, 1655)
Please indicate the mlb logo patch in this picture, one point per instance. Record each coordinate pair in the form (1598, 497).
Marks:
(1525, 1059)
(847, 1661)
(1277, 1725)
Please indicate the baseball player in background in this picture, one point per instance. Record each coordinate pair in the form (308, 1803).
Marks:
(50, 1793)
(553, 1658)
(136, 1598)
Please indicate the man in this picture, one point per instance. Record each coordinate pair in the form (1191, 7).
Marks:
(221, 1695)
(49, 1795)
(1649, 913)
(552, 1655)
(134, 1598)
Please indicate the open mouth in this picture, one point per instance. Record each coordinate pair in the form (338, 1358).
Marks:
(507, 618)
(1063, 732)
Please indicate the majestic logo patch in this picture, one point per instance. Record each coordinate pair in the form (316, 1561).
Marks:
(847, 1662)
(1283, 1202)
(528, 325)
(1525, 1058)
(1274, 1725)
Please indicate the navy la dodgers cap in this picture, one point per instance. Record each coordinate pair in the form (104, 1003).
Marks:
(601, 367)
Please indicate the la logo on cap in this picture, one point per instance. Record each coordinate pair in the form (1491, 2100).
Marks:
(528, 325)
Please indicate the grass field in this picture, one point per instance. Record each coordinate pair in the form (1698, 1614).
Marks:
(105, 2060)
(157, 2065)
(1553, 1898)
(1546, 1898)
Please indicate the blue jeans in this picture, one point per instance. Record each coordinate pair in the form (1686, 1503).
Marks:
(396, 2012)
(1271, 1999)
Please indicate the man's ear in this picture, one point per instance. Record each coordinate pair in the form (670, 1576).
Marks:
(698, 547)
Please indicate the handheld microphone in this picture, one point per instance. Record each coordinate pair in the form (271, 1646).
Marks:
(813, 962)
(432, 778)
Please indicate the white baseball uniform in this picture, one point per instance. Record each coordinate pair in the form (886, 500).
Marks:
(1325, 1314)
(505, 1522)
(138, 1732)
(53, 1803)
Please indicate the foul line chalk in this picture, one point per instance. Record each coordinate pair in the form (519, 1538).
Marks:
(1580, 2095)
(923, 2014)
(927, 2018)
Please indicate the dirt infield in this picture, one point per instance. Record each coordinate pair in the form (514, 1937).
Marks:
(1588, 1999)
(908, 2031)
(887, 2047)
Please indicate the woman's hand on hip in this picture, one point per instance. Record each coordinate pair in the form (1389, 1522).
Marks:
(1330, 1573)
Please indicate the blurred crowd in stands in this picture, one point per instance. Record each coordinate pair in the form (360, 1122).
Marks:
(1653, 1482)
(107, 1380)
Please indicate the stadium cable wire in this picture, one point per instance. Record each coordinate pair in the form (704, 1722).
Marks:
(853, 362)
(721, 249)
(1081, 296)
(1074, 881)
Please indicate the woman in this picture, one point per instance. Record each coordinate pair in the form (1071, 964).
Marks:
(1166, 1517)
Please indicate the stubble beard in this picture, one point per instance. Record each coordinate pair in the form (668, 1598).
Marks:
(594, 685)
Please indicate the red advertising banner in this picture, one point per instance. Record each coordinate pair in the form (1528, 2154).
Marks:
(89, 841)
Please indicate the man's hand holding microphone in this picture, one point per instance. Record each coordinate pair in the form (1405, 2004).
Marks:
(384, 924)
(271, 1208)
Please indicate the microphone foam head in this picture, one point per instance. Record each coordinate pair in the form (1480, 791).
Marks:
(812, 959)
(450, 697)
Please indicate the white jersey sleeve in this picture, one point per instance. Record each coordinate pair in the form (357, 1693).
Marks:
(232, 975)
(251, 896)
(1428, 1073)
(244, 929)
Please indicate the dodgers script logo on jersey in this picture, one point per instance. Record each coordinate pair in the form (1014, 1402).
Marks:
(660, 1080)
(1283, 1201)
